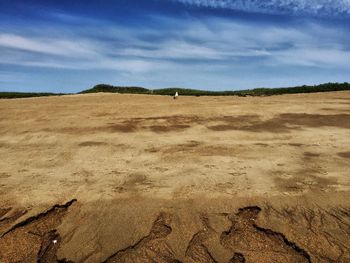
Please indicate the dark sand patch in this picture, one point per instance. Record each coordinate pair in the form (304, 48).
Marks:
(344, 154)
(307, 180)
(283, 122)
(4, 211)
(280, 124)
(316, 120)
(92, 143)
(184, 147)
(237, 258)
(261, 144)
(160, 124)
(342, 98)
(4, 144)
(234, 122)
(200, 149)
(296, 144)
(133, 183)
(151, 248)
(250, 242)
(311, 228)
(35, 239)
(8, 217)
(197, 249)
(336, 109)
(126, 127)
(311, 154)
(169, 128)
(4, 175)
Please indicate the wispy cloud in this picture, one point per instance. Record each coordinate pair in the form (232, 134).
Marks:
(296, 7)
(195, 51)
(73, 53)
(222, 41)
(46, 45)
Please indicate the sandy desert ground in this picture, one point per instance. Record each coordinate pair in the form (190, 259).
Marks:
(137, 178)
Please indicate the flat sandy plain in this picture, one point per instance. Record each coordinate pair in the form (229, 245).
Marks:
(137, 178)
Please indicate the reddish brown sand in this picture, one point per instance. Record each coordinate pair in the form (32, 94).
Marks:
(135, 178)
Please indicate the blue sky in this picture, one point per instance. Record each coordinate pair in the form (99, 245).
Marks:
(68, 46)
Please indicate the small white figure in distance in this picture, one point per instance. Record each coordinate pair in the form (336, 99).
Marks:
(54, 241)
(176, 95)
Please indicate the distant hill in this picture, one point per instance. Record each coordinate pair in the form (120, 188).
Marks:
(327, 87)
(193, 92)
(14, 95)
(116, 89)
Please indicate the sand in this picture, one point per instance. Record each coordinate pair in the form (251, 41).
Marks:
(138, 178)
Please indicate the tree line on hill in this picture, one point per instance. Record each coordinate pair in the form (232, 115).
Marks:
(14, 95)
(327, 87)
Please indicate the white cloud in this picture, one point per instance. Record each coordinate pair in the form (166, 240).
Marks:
(315, 57)
(312, 7)
(75, 53)
(48, 46)
(226, 44)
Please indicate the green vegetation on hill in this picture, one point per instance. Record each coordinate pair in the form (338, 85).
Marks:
(193, 92)
(14, 95)
(181, 91)
(293, 90)
(116, 89)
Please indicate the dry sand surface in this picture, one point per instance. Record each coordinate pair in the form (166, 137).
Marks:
(136, 178)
